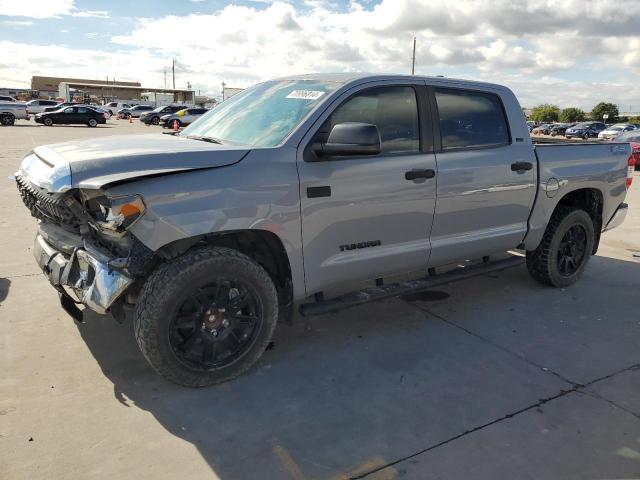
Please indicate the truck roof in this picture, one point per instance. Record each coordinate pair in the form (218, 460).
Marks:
(348, 77)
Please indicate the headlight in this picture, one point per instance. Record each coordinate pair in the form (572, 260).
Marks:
(113, 214)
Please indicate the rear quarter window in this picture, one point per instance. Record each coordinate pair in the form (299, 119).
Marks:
(471, 119)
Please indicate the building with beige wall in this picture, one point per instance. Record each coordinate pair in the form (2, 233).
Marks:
(49, 86)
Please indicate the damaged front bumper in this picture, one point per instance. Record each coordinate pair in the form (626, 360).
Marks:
(84, 275)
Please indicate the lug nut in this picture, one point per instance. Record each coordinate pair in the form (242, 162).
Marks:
(225, 323)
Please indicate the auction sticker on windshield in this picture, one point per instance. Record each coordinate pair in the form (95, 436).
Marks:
(305, 94)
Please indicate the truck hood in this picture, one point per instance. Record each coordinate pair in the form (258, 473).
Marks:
(97, 162)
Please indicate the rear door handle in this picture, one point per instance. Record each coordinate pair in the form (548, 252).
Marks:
(521, 166)
(419, 173)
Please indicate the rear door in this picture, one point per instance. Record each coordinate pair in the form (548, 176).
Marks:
(364, 217)
(486, 179)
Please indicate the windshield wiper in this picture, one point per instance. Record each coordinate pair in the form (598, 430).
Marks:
(204, 139)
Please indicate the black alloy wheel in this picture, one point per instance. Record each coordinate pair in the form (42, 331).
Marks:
(572, 250)
(215, 325)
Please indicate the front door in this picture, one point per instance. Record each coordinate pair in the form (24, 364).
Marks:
(367, 217)
(69, 115)
(486, 181)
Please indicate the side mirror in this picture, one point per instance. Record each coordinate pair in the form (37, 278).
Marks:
(350, 138)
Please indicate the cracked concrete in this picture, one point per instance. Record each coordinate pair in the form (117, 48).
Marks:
(494, 377)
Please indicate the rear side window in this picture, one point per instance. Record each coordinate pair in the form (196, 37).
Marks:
(471, 119)
(394, 110)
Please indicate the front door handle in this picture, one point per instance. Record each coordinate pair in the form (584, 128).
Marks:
(521, 166)
(419, 173)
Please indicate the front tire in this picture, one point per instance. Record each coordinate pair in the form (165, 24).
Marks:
(206, 317)
(155, 120)
(565, 249)
(48, 121)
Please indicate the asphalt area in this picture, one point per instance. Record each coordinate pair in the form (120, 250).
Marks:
(494, 377)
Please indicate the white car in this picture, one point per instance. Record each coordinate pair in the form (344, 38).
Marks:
(38, 106)
(113, 107)
(615, 130)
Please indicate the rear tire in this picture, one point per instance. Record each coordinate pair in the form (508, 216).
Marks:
(92, 122)
(565, 249)
(206, 316)
(7, 119)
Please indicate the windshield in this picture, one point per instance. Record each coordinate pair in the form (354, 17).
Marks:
(262, 115)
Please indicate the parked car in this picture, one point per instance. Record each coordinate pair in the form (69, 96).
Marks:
(135, 111)
(585, 130)
(309, 193)
(628, 136)
(153, 117)
(38, 106)
(59, 105)
(559, 128)
(615, 130)
(182, 118)
(542, 129)
(83, 114)
(6, 98)
(114, 107)
(12, 111)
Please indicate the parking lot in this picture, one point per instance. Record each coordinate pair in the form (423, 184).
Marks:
(494, 377)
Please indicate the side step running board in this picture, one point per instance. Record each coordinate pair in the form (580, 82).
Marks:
(393, 290)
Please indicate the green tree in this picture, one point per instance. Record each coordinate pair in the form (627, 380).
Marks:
(545, 113)
(572, 114)
(605, 108)
(635, 120)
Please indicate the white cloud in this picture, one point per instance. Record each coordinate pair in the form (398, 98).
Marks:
(17, 23)
(90, 13)
(35, 8)
(46, 9)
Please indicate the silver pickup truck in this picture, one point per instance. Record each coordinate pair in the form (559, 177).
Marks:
(12, 111)
(310, 194)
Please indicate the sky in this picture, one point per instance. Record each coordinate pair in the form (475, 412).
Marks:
(566, 52)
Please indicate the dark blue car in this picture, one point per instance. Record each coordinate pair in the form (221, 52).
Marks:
(585, 130)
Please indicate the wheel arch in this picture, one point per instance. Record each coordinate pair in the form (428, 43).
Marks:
(262, 246)
(589, 199)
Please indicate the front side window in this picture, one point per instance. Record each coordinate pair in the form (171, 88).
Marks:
(470, 119)
(262, 115)
(68, 110)
(394, 110)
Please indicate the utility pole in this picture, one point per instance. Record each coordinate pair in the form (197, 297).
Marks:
(165, 77)
(413, 58)
(173, 69)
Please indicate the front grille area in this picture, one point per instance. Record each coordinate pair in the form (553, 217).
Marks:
(46, 206)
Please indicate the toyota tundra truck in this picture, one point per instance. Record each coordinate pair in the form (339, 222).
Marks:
(304, 195)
